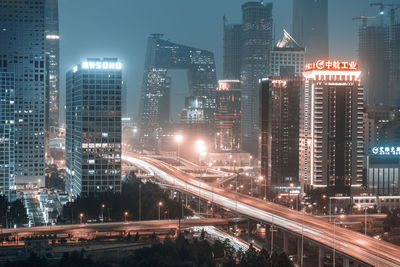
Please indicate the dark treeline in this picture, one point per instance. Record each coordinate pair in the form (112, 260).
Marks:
(12, 213)
(180, 252)
(116, 204)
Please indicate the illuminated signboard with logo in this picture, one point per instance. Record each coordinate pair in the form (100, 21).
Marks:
(101, 65)
(386, 151)
(332, 65)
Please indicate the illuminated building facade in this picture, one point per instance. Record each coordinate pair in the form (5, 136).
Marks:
(331, 125)
(256, 46)
(22, 52)
(7, 134)
(287, 57)
(163, 55)
(279, 129)
(310, 27)
(93, 132)
(227, 116)
(383, 171)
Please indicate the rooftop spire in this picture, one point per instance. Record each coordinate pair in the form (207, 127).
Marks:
(287, 41)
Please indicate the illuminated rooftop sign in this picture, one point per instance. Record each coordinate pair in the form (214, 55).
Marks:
(332, 65)
(386, 151)
(101, 65)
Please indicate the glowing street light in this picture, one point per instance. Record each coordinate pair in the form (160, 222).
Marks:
(125, 214)
(80, 217)
(201, 149)
(102, 214)
(178, 139)
(265, 191)
(159, 210)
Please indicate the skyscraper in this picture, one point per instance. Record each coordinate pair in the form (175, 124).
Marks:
(287, 57)
(161, 56)
(22, 52)
(256, 46)
(7, 133)
(52, 62)
(279, 129)
(373, 54)
(394, 75)
(310, 27)
(331, 125)
(93, 132)
(232, 50)
(227, 116)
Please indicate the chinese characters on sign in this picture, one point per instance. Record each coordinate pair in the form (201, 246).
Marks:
(386, 151)
(332, 65)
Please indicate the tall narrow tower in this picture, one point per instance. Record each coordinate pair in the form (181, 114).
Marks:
(310, 27)
(256, 47)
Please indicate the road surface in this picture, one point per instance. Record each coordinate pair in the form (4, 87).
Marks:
(355, 245)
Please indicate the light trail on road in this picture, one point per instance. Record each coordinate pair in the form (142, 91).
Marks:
(355, 245)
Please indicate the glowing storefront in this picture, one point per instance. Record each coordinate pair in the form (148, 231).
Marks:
(383, 171)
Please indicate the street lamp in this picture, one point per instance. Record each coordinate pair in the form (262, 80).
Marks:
(178, 139)
(47, 215)
(200, 149)
(125, 214)
(159, 210)
(265, 191)
(334, 238)
(102, 214)
(250, 158)
(80, 217)
(365, 218)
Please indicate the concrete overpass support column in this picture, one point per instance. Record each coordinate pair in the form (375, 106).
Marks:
(286, 242)
(299, 252)
(321, 254)
(346, 262)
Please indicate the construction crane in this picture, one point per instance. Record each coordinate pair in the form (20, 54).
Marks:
(382, 10)
(364, 19)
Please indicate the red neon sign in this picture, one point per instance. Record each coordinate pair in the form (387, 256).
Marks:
(332, 65)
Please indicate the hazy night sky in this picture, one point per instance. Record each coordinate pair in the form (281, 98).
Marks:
(119, 28)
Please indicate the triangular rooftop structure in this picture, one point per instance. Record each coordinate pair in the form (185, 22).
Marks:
(287, 41)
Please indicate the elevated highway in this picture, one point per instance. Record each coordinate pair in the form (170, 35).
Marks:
(351, 245)
(129, 226)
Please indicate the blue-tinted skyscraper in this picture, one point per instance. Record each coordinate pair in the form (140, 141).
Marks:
(93, 132)
(256, 46)
(22, 52)
(7, 133)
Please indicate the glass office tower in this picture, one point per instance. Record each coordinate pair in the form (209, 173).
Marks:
(22, 52)
(162, 56)
(93, 131)
(7, 134)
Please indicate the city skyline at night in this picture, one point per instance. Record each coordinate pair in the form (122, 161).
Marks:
(200, 133)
